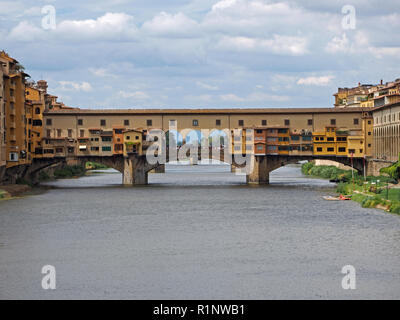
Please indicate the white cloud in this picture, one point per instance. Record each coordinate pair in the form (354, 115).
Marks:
(138, 95)
(382, 52)
(206, 86)
(75, 86)
(315, 81)
(276, 45)
(230, 97)
(168, 25)
(26, 31)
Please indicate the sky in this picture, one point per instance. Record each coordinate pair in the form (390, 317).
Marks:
(202, 53)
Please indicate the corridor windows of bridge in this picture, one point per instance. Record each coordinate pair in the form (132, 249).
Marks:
(241, 123)
(333, 122)
(126, 122)
(217, 122)
(195, 123)
(106, 139)
(356, 121)
(69, 133)
(81, 133)
(310, 122)
(103, 122)
(287, 122)
(49, 122)
(59, 133)
(106, 148)
(80, 122)
(263, 122)
(149, 122)
(48, 133)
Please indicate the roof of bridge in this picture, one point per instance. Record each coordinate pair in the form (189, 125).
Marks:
(208, 111)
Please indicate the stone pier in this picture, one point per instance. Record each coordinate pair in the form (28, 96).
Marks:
(260, 172)
(135, 171)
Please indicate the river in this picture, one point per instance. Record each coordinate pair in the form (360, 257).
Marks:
(196, 232)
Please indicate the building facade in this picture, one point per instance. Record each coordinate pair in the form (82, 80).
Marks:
(387, 132)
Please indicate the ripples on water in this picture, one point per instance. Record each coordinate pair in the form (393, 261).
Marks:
(196, 232)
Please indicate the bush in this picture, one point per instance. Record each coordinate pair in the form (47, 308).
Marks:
(69, 172)
(341, 188)
(395, 208)
(306, 167)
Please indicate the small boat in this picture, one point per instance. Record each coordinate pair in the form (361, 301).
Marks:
(330, 198)
(340, 198)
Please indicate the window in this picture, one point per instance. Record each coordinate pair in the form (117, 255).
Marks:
(356, 121)
(369, 145)
(258, 131)
(172, 123)
(369, 133)
(263, 122)
(49, 122)
(341, 139)
(287, 122)
(126, 122)
(333, 122)
(295, 138)
(37, 111)
(94, 148)
(69, 133)
(106, 139)
(149, 122)
(80, 122)
(351, 151)
(310, 122)
(369, 121)
(330, 139)
(342, 149)
(195, 123)
(331, 149)
(102, 122)
(59, 150)
(361, 150)
(58, 133)
(48, 133)
(319, 149)
(260, 148)
(218, 122)
(37, 123)
(241, 122)
(82, 133)
(106, 148)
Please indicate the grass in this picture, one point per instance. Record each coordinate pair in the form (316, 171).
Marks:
(368, 193)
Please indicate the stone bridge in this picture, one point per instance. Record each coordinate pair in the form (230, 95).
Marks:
(135, 168)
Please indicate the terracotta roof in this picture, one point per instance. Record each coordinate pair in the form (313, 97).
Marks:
(206, 111)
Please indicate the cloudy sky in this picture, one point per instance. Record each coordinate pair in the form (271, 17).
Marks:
(202, 53)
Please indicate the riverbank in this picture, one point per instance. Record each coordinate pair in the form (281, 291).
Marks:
(380, 192)
(13, 190)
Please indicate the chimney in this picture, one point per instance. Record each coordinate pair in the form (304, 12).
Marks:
(42, 85)
(359, 84)
(381, 81)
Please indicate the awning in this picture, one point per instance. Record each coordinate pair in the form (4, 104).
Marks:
(82, 147)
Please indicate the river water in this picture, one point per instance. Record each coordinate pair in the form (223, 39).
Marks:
(196, 233)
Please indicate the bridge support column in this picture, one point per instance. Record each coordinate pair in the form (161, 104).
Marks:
(260, 173)
(134, 171)
(160, 169)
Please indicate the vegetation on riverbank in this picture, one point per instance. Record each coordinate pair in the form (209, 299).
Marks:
(69, 172)
(374, 192)
(95, 166)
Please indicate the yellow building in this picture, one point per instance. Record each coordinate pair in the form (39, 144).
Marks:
(325, 142)
(133, 142)
(36, 101)
(15, 112)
